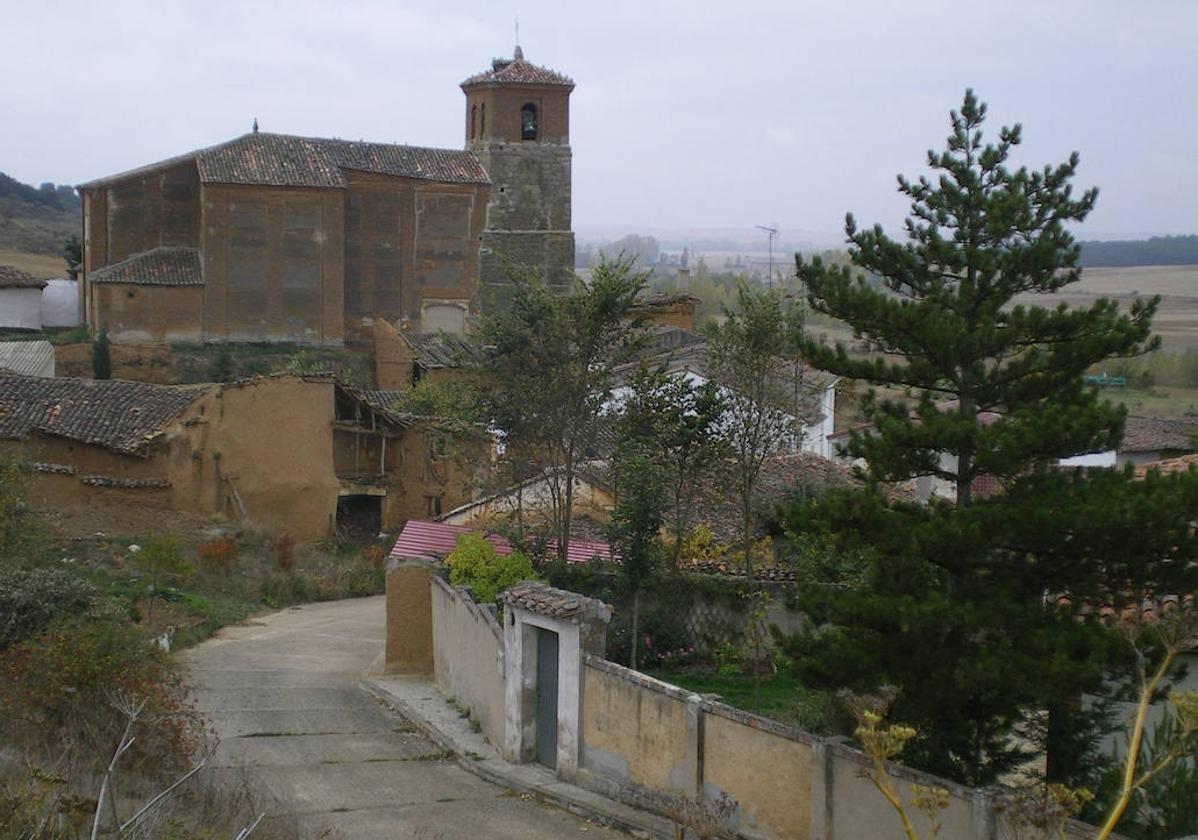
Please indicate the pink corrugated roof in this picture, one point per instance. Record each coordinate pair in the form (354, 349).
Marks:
(421, 538)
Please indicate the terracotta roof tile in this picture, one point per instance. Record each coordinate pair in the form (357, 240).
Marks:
(123, 417)
(1169, 465)
(272, 159)
(421, 538)
(781, 476)
(1151, 434)
(442, 350)
(12, 277)
(557, 603)
(446, 165)
(285, 160)
(517, 71)
(156, 267)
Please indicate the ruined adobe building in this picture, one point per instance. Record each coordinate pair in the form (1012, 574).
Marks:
(272, 237)
(340, 461)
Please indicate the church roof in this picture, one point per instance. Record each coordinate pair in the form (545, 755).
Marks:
(156, 267)
(517, 71)
(286, 160)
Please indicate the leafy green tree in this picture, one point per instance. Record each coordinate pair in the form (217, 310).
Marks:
(161, 557)
(678, 422)
(457, 399)
(637, 519)
(101, 357)
(550, 369)
(952, 608)
(948, 326)
(754, 356)
(72, 252)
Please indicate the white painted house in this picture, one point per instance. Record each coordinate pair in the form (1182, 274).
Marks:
(685, 355)
(60, 304)
(20, 299)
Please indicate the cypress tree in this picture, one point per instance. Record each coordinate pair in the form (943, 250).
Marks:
(101, 357)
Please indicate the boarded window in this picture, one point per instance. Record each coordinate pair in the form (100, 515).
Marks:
(301, 266)
(443, 317)
(247, 266)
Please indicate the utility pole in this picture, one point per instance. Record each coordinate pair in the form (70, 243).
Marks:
(772, 231)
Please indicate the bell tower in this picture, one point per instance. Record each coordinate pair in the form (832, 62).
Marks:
(518, 126)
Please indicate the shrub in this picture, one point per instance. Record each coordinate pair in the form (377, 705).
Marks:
(284, 547)
(375, 555)
(221, 367)
(475, 563)
(57, 691)
(217, 554)
(30, 601)
(14, 478)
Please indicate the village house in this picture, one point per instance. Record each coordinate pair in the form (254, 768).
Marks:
(403, 358)
(20, 299)
(274, 237)
(680, 352)
(337, 463)
(782, 476)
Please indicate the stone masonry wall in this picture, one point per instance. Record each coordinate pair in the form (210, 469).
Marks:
(528, 216)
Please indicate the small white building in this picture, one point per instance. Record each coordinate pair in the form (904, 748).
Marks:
(20, 299)
(60, 304)
(687, 357)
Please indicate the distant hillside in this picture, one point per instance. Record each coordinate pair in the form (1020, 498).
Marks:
(1159, 250)
(36, 219)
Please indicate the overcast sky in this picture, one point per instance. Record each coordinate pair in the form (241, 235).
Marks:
(686, 114)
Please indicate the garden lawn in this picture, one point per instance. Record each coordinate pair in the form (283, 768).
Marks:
(782, 697)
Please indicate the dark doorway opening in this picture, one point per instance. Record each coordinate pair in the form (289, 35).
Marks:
(547, 650)
(359, 518)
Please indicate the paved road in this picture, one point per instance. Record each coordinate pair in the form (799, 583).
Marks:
(282, 694)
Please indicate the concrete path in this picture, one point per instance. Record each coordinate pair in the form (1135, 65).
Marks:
(282, 692)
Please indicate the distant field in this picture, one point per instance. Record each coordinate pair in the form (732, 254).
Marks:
(1176, 321)
(39, 265)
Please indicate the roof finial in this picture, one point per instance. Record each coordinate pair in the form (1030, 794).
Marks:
(255, 125)
(519, 54)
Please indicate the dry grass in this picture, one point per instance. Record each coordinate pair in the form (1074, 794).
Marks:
(39, 265)
(1176, 320)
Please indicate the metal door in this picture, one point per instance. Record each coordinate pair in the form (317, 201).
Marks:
(547, 643)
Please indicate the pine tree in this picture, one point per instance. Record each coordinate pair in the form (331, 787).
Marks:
(999, 382)
(953, 610)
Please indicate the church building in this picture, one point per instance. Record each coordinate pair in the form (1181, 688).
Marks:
(274, 237)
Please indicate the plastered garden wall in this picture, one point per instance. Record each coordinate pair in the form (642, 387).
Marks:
(467, 656)
(646, 742)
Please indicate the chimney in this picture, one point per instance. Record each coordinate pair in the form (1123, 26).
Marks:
(683, 284)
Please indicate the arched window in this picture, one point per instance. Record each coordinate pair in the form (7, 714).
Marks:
(473, 122)
(482, 123)
(528, 122)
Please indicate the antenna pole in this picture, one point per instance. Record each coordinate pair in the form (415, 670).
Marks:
(771, 231)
